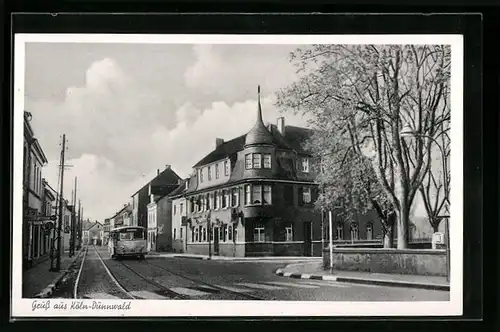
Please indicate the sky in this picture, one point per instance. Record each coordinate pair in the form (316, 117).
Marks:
(130, 109)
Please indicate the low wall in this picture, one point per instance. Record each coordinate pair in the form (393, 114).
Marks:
(225, 249)
(405, 261)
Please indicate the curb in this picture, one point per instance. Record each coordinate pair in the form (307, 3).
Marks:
(240, 259)
(49, 289)
(379, 282)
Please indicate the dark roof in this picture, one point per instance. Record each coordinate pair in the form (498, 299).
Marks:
(166, 177)
(180, 189)
(224, 150)
(294, 139)
(259, 134)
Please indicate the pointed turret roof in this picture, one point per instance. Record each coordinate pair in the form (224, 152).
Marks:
(259, 133)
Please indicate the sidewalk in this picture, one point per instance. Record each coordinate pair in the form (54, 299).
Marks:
(315, 271)
(37, 278)
(242, 259)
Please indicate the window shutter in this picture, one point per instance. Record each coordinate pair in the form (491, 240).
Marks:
(301, 197)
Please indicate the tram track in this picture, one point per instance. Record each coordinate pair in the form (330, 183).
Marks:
(222, 289)
(171, 294)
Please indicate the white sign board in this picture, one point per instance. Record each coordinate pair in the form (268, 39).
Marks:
(438, 238)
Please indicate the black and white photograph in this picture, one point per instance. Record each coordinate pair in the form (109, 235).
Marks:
(251, 175)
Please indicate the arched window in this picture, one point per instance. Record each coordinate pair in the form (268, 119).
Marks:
(354, 231)
(369, 231)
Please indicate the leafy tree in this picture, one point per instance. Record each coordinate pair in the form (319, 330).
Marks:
(362, 96)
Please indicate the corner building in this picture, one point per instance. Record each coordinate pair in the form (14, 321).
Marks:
(254, 196)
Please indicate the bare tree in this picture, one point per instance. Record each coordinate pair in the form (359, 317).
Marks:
(366, 94)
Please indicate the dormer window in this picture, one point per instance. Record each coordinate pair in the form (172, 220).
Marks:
(217, 172)
(305, 165)
(209, 173)
(201, 175)
(226, 168)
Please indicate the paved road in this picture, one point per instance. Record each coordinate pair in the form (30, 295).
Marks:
(181, 278)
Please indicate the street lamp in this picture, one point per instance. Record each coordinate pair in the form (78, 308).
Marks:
(408, 131)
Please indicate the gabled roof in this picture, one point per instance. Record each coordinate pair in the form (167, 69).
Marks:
(93, 224)
(167, 176)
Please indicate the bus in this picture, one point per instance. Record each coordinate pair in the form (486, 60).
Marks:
(127, 241)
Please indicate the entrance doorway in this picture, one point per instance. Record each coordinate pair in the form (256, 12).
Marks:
(307, 238)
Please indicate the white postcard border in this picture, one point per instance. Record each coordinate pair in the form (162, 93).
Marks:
(151, 308)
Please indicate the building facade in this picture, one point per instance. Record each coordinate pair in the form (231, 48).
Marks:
(165, 180)
(34, 160)
(254, 196)
(160, 217)
(48, 209)
(94, 234)
(179, 228)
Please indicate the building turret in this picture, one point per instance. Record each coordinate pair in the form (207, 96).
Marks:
(259, 134)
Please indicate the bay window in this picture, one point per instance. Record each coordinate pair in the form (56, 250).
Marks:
(230, 232)
(257, 160)
(226, 198)
(248, 194)
(256, 194)
(248, 161)
(267, 194)
(267, 161)
(234, 197)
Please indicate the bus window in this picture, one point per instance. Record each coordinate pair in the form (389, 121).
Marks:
(131, 234)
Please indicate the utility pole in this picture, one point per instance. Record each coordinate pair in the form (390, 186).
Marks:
(73, 223)
(61, 192)
(79, 225)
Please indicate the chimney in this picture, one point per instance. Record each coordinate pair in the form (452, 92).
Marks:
(167, 166)
(281, 125)
(218, 141)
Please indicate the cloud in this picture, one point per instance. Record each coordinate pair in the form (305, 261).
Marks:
(117, 136)
(229, 72)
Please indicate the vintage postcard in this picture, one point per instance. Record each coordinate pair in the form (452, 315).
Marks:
(237, 175)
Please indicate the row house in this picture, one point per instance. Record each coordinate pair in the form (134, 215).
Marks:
(106, 229)
(34, 203)
(93, 234)
(160, 217)
(179, 216)
(43, 241)
(254, 196)
(141, 198)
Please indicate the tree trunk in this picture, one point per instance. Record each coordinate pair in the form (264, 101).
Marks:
(388, 237)
(403, 221)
